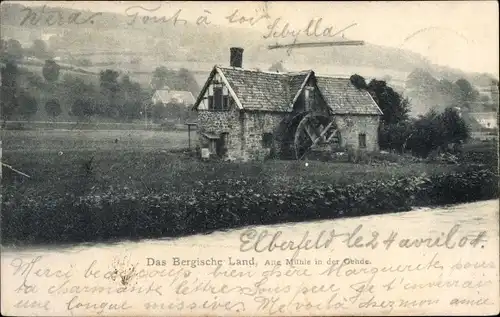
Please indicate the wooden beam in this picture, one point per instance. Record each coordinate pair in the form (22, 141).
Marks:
(229, 88)
(204, 89)
(318, 138)
(323, 132)
(331, 136)
(302, 86)
(310, 132)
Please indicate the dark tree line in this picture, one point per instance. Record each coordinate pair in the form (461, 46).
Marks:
(12, 49)
(114, 97)
(16, 99)
(422, 135)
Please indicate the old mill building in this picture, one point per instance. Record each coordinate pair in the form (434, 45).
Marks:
(249, 115)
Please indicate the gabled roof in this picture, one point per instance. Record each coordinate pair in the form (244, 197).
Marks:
(258, 90)
(344, 98)
(181, 96)
(277, 92)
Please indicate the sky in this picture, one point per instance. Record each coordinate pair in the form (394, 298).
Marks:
(461, 34)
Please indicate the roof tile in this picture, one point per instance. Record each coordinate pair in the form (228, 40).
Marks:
(268, 91)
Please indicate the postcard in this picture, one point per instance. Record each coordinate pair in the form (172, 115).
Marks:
(249, 158)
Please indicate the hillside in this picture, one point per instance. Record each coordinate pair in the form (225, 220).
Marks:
(140, 48)
(165, 42)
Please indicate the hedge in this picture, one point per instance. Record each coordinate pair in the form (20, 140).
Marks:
(228, 203)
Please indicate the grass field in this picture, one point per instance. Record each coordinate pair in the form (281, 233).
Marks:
(157, 158)
(58, 160)
(111, 177)
(35, 141)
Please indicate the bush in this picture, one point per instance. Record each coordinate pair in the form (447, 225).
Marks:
(431, 132)
(53, 108)
(111, 213)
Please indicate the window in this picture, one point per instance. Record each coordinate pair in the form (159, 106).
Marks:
(218, 96)
(309, 97)
(267, 140)
(362, 140)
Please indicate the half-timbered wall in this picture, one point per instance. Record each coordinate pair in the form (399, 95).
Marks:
(218, 114)
(310, 99)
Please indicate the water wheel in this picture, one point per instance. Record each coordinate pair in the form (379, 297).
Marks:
(312, 130)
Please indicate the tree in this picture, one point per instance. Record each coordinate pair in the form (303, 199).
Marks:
(395, 136)
(82, 108)
(8, 94)
(436, 131)
(358, 81)
(53, 108)
(14, 49)
(108, 80)
(187, 81)
(10, 73)
(453, 127)
(131, 110)
(395, 108)
(3, 49)
(450, 91)
(160, 76)
(425, 135)
(28, 105)
(109, 91)
(468, 94)
(131, 96)
(77, 86)
(158, 111)
(51, 70)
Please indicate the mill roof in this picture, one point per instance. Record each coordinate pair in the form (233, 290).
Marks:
(276, 92)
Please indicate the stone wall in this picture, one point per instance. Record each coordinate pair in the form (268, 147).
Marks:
(217, 122)
(246, 129)
(351, 126)
(255, 125)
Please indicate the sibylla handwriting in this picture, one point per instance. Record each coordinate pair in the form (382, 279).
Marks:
(314, 28)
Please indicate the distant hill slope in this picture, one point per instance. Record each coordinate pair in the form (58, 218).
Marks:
(199, 48)
(112, 31)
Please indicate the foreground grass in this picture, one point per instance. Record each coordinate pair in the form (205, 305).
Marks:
(107, 190)
(55, 174)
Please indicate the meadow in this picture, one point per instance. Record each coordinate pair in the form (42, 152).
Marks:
(89, 185)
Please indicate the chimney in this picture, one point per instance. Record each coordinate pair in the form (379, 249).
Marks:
(236, 59)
